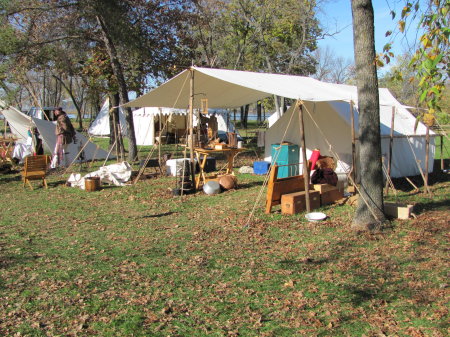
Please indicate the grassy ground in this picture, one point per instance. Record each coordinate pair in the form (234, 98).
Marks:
(135, 261)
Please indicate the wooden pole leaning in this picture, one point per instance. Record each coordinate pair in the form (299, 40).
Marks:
(352, 121)
(305, 163)
(427, 155)
(191, 126)
(391, 143)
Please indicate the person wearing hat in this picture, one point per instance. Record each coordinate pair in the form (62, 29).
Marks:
(65, 135)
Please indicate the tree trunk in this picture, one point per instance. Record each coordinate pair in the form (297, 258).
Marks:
(112, 127)
(123, 91)
(72, 97)
(258, 112)
(114, 118)
(369, 214)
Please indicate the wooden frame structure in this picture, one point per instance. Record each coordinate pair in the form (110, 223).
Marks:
(278, 186)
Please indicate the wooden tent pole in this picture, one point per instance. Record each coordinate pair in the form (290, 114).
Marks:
(427, 154)
(391, 143)
(305, 164)
(352, 120)
(191, 126)
(160, 137)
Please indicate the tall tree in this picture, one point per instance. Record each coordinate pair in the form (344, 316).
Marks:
(369, 213)
(431, 58)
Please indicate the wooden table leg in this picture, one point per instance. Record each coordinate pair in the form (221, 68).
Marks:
(201, 175)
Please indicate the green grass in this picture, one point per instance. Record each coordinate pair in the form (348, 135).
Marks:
(135, 261)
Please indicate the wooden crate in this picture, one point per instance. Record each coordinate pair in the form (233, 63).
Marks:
(322, 188)
(331, 196)
(294, 203)
(399, 211)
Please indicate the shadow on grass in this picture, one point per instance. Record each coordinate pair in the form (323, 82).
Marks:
(10, 178)
(160, 215)
(434, 178)
(432, 205)
(249, 184)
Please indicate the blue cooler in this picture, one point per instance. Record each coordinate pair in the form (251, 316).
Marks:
(260, 167)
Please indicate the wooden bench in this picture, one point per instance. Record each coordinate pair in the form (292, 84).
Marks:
(35, 169)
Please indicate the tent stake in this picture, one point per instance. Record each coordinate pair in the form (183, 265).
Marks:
(391, 143)
(305, 164)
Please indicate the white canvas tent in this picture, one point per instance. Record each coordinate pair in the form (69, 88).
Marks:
(100, 126)
(146, 120)
(329, 104)
(20, 123)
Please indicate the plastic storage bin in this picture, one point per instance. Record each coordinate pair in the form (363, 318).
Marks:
(260, 167)
(287, 154)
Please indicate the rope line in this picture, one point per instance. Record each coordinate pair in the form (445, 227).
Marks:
(152, 150)
(267, 176)
(343, 168)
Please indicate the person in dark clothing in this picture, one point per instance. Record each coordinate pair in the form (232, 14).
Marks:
(65, 135)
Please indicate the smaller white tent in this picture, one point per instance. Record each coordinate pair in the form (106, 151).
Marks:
(146, 122)
(20, 123)
(100, 126)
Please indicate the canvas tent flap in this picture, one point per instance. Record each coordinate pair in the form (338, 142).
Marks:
(47, 131)
(232, 88)
(19, 123)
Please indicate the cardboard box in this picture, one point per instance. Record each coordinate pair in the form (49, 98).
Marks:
(399, 211)
(294, 203)
(330, 197)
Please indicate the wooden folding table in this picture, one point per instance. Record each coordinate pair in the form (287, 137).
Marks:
(202, 154)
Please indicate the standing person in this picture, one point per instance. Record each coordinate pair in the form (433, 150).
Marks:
(65, 135)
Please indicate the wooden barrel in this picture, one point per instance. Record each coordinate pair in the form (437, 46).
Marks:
(92, 184)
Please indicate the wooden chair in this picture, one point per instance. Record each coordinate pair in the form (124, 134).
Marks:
(35, 169)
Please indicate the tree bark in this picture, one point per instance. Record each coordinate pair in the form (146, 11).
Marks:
(115, 121)
(369, 214)
(258, 112)
(123, 91)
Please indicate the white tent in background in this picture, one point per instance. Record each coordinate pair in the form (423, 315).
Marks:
(329, 105)
(20, 124)
(146, 123)
(100, 126)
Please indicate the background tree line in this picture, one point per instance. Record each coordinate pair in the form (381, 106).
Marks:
(84, 49)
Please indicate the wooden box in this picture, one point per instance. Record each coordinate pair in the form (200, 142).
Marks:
(294, 203)
(322, 188)
(220, 146)
(399, 211)
(331, 196)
